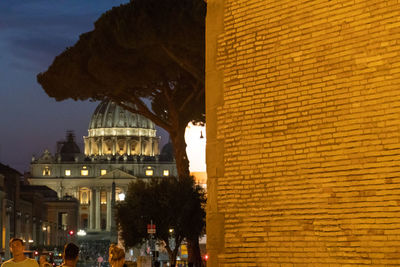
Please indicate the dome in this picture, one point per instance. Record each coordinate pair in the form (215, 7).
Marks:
(69, 149)
(110, 115)
(167, 152)
(114, 131)
(109, 119)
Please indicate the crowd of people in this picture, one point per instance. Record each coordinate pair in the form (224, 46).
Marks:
(90, 251)
(116, 256)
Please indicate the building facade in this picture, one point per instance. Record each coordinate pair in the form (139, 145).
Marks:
(121, 147)
(25, 212)
(303, 137)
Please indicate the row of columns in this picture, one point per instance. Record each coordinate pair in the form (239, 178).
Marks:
(95, 209)
(30, 230)
(90, 143)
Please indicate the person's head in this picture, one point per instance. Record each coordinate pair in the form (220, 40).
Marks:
(117, 256)
(42, 259)
(17, 246)
(71, 252)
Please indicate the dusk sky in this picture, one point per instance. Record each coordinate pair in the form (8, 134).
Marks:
(32, 33)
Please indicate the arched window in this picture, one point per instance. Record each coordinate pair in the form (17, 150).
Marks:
(84, 196)
(46, 171)
(84, 199)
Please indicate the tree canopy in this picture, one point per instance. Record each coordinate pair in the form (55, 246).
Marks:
(169, 204)
(146, 49)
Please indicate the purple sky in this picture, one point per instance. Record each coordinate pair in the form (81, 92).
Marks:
(32, 33)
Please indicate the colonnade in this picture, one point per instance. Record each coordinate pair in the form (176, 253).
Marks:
(95, 209)
(131, 146)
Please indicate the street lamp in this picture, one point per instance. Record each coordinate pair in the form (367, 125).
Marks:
(81, 232)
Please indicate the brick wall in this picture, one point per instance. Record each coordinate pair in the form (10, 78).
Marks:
(303, 132)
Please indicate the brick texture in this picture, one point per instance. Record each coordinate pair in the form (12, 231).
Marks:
(303, 128)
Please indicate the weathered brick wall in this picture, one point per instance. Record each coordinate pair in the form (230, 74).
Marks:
(303, 128)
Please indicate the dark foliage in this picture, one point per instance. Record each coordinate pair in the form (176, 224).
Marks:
(169, 204)
(147, 49)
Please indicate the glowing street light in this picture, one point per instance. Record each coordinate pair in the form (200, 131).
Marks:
(81, 232)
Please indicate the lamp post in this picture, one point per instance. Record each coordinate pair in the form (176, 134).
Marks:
(151, 230)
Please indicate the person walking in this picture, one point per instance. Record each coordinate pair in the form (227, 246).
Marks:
(70, 255)
(19, 259)
(43, 261)
(116, 256)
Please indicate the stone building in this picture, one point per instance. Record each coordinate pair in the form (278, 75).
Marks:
(120, 147)
(303, 133)
(25, 213)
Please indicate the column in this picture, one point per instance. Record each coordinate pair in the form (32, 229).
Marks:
(44, 231)
(128, 146)
(97, 210)
(90, 146)
(76, 193)
(156, 148)
(91, 208)
(100, 144)
(140, 146)
(87, 142)
(114, 145)
(108, 210)
(26, 230)
(152, 146)
(35, 242)
(7, 232)
(114, 233)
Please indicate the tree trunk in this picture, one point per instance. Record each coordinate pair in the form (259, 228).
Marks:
(172, 256)
(179, 144)
(194, 255)
(182, 166)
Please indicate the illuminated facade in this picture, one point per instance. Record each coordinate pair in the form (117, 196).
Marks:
(120, 147)
(303, 137)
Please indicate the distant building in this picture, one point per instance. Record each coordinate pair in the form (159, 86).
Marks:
(26, 212)
(121, 147)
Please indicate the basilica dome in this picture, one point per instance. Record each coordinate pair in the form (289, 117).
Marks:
(110, 115)
(114, 130)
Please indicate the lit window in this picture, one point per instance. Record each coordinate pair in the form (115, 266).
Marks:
(84, 197)
(103, 172)
(46, 171)
(67, 172)
(84, 171)
(103, 197)
(149, 172)
(166, 172)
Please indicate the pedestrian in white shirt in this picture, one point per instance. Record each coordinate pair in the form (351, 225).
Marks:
(19, 259)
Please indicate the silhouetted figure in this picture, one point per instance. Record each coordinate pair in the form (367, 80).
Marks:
(70, 255)
(43, 262)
